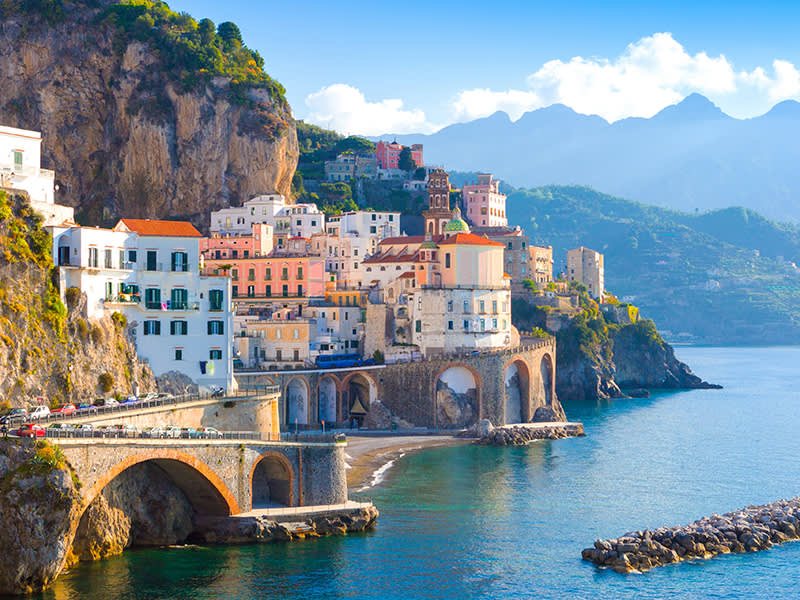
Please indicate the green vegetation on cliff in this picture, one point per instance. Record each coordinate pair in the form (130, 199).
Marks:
(721, 276)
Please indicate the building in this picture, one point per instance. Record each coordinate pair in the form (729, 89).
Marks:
(438, 213)
(20, 169)
(148, 271)
(522, 260)
(288, 220)
(349, 165)
(586, 266)
(388, 154)
(448, 292)
(484, 205)
(258, 243)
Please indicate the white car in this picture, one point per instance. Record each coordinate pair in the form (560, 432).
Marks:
(172, 432)
(39, 412)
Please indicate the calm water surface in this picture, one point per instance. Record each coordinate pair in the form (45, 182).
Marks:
(475, 522)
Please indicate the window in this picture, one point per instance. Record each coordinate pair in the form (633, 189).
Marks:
(268, 274)
(299, 272)
(269, 291)
(152, 257)
(466, 306)
(391, 217)
(355, 265)
(450, 306)
(122, 259)
(179, 299)
(132, 256)
(178, 353)
(285, 273)
(299, 222)
(373, 216)
(509, 245)
(215, 354)
(251, 274)
(285, 290)
(246, 253)
(505, 324)
(216, 328)
(483, 324)
(215, 300)
(107, 258)
(251, 291)
(373, 229)
(299, 289)
(234, 254)
(152, 298)
(296, 333)
(494, 306)
(235, 291)
(180, 262)
(234, 274)
(494, 323)
(418, 326)
(93, 258)
(109, 290)
(278, 354)
(466, 325)
(447, 260)
(152, 327)
(450, 325)
(178, 328)
(17, 159)
(278, 334)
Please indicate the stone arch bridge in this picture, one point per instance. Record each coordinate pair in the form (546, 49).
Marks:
(448, 391)
(219, 477)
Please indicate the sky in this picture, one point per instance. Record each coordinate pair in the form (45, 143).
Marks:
(374, 68)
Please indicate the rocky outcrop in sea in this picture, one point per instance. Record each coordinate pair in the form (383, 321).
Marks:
(746, 530)
(521, 434)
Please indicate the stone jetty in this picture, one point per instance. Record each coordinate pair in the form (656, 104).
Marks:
(521, 434)
(746, 530)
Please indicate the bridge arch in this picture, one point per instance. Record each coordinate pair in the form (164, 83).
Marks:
(517, 391)
(327, 398)
(359, 392)
(271, 481)
(547, 379)
(298, 395)
(204, 489)
(457, 393)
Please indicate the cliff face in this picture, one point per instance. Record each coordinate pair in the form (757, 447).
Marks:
(39, 505)
(124, 138)
(45, 349)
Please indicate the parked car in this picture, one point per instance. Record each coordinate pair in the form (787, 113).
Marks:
(18, 414)
(106, 402)
(30, 430)
(147, 396)
(87, 429)
(64, 409)
(209, 433)
(188, 432)
(129, 399)
(164, 396)
(153, 432)
(39, 412)
(172, 432)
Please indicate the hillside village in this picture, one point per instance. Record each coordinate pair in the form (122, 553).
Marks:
(278, 285)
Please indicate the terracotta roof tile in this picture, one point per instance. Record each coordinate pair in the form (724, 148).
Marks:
(158, 228)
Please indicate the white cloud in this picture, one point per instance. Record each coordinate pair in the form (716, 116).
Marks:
(652, 73)
(345, 109)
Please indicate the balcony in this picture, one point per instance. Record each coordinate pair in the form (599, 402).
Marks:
(131, 299)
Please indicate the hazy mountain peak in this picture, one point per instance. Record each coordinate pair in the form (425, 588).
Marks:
(695, 107)
(787, 108)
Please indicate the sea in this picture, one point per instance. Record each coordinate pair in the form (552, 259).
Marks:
(479, 522)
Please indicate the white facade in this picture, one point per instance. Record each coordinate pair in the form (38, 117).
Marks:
(179, 320)
(270, 209)
(300, 220)
(339, 329)
(20, 168)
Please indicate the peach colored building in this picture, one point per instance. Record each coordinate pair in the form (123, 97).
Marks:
(258, 243)
(483, 203)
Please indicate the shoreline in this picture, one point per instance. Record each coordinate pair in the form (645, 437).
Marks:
(370, 458)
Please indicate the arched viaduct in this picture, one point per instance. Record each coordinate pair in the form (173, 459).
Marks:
(452, 391)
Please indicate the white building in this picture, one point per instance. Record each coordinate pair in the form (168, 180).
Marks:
(586, 266)
(294, 220)
(149, 271)
(20, 169)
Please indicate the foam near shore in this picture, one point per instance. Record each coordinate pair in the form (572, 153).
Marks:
(747, 530)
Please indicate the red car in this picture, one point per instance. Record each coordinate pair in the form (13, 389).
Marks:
(30, 430)
(65, 409)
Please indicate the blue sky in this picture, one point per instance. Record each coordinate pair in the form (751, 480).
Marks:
(369, 67)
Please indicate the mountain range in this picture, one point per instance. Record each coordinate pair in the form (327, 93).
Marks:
(690, 156)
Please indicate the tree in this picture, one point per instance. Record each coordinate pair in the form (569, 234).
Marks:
(229, 32)
(419, 174)
(530, 284)
(406, 161)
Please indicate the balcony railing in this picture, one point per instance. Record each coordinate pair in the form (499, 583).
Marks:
(166, 305)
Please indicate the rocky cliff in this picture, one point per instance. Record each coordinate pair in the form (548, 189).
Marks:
(598, 359)
(46, 349)
(39, 506)
(136, 120)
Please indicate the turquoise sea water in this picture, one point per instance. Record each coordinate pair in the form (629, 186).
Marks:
(477, 522)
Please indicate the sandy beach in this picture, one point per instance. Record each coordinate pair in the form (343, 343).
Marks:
(369, 455)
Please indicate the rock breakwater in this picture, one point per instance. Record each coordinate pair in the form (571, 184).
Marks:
(524, 433)
(248, 529)
(746, 530)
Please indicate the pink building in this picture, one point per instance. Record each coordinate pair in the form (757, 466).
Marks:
(483, 203)
(259, 243)
(388, 154)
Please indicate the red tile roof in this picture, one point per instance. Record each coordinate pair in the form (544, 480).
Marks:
(409, 239)
(469, 239)
(159, 228)
(407, 275)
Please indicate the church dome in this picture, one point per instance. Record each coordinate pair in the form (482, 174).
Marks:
(456, 224)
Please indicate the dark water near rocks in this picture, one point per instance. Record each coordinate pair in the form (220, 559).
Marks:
(477, 522)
